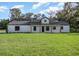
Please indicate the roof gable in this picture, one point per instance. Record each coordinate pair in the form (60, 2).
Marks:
(45, 21)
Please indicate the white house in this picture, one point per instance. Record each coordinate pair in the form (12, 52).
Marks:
(43, 25)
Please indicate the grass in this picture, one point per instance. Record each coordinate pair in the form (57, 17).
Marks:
(39, 44)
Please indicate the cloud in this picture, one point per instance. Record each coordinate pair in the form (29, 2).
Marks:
(2, 8)
(51, 9)
(37, 5)
(54, 9)
(17, 6)
(42, 12)
(60, 4)
(20, 7)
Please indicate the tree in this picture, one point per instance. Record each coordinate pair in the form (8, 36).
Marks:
(4, 23)
(60, 16)
(15, 13)
(51, 14)
(70, 13)
(39, 16)
(43, 15)
(26, 16)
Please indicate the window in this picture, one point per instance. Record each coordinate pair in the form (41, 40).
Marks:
(54, 28)
(45, 20)
(17, 28)
(47, 28)
(62, 28)
(34, 28)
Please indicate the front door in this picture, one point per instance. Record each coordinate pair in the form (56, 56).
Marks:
(42, 28)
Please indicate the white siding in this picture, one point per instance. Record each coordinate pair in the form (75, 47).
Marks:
(11, 28)
(37, 29)
(49, 29)
(28, 28)
(57, 29)
(23, 28)
(66, 28)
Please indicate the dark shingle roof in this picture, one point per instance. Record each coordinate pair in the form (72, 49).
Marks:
(14, 22)
(37, 22)
(59, 23)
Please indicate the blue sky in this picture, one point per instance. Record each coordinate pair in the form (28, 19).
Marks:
(35, 7)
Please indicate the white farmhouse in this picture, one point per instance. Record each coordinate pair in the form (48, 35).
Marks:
(43, 25)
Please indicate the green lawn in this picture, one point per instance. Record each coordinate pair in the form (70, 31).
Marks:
(39, 44)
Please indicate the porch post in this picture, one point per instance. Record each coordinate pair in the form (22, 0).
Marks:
(31, 28)
(51, 29)
(44, 28)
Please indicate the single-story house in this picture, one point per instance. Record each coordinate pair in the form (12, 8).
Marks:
(43, 25)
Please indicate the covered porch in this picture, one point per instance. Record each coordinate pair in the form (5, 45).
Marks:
(46, 28)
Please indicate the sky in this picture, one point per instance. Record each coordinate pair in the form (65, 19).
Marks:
(25, 7)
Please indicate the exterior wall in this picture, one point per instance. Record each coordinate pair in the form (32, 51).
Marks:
(37, 29)
(43, 21)
(29, 28)
(66, 28)
(57, 28)
(23, 28)
(49, 29)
